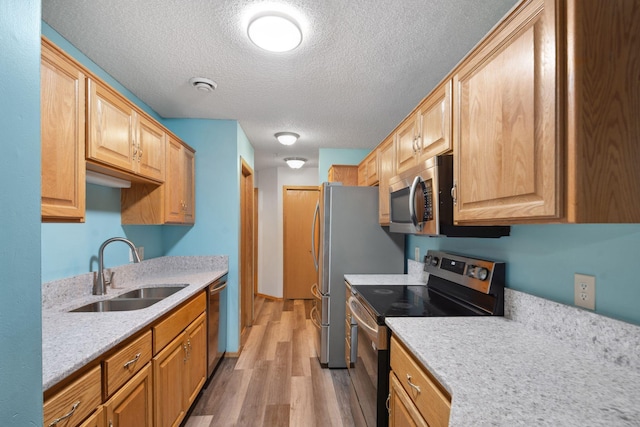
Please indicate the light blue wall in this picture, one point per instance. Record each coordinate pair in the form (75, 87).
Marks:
(338, 156)
(541, 260)
(20, 304)
(72, 249)
(219, 145)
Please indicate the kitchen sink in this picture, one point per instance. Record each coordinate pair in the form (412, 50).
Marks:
(151, 292)
(118, 305)
(133, 300)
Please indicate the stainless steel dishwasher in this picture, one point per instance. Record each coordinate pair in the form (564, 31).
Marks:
(215, 350)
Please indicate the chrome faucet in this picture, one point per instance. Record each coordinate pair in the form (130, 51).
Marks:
(99, 286)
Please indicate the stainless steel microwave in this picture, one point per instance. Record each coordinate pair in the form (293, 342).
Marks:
(421, 203)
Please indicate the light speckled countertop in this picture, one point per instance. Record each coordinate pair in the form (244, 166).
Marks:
(71, 340)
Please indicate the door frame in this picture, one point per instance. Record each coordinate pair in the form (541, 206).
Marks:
(246, 248)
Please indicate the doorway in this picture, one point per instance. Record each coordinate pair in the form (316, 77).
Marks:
(299, 204)
(246, 246)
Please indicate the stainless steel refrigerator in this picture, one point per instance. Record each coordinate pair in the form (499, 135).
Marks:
(347, 239)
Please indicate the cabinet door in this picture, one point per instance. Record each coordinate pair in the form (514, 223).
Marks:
(95, 420)
(62, 98)
(402, 411)
(189, 186)
(434, 121)
(132, 405)
(362, 174)
(406, 144)
(505, 135)
(150, 156)
(196, 373)
(372, 168)
(111, 120)
(386, 166)
(174, 201)
(76, 401)
(168, 373)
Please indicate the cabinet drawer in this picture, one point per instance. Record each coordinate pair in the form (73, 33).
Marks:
(124, 364)
(431, 400)
(76, 401)
(169, 328)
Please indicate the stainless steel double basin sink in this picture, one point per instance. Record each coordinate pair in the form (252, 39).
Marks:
(132, 300)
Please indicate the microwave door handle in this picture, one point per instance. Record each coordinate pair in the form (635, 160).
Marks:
(313, 235)
(412, 201)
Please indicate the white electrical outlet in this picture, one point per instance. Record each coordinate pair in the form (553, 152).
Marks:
(416, 254)
(584, 291)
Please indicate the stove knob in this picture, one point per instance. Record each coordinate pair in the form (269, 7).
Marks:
(435, 261)
(481, 273)
(427, 259)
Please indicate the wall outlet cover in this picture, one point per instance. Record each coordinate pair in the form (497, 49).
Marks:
(584, 287)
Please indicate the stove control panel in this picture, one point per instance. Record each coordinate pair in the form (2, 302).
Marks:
(474, 273)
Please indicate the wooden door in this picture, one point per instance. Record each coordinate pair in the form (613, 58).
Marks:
(434, 117)
(174, 185)
(95, 420)
(507, 154)
(299, 204)
(62, 98)
(196, 359)
(132, 405)
(246, 246)
(150, 150)
(110, 132)
(168, 372)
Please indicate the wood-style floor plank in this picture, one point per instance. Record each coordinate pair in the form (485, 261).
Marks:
(277, 380)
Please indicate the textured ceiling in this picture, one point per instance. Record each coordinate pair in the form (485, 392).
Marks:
(361, 68)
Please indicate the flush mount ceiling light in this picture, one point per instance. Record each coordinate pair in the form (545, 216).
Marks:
(286, 138)
(203, 84)
(274, 32)
(295, 162)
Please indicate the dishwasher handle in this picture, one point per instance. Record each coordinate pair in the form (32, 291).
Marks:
(218, 285)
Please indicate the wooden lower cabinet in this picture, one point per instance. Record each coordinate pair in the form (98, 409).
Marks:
(95, 420)
(402, 410)
(416, 398)
(179, 372)
(132, 405)
(75, 402)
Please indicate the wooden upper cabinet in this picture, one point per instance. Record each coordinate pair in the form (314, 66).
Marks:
(362, 174)
(123, 141)
(506, 140)
(434, 123)
(372, 168)
(111, 128)
(180, 188)
(406, 144)
(62, 101)
(346, 174)
(150, 150)
(386, 170)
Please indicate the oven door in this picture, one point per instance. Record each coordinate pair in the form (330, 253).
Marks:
(369, 371)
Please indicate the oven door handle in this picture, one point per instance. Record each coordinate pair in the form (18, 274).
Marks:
(367, 328)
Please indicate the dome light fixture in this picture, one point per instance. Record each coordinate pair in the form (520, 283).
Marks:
(286, 138)
(203, 84)
(274, 32)
(295, 162)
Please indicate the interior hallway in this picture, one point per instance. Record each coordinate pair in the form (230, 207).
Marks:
(277, 380)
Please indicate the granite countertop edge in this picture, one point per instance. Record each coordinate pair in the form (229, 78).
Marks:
(72, 340)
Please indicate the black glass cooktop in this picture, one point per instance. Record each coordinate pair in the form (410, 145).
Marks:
(405, 301)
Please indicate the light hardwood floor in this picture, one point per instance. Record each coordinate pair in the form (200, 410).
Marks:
(277, 380)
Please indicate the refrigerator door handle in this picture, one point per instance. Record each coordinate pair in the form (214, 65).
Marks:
(313, 235)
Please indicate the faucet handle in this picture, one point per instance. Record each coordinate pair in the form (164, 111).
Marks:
(107, 274)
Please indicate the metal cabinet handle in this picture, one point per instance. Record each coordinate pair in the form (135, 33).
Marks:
(415, 387)
(184, 347)
(316, 214)
(312, 315)
(387, 403)
(189, 346)
(132, 361)
(65, 416)
(454, 194)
